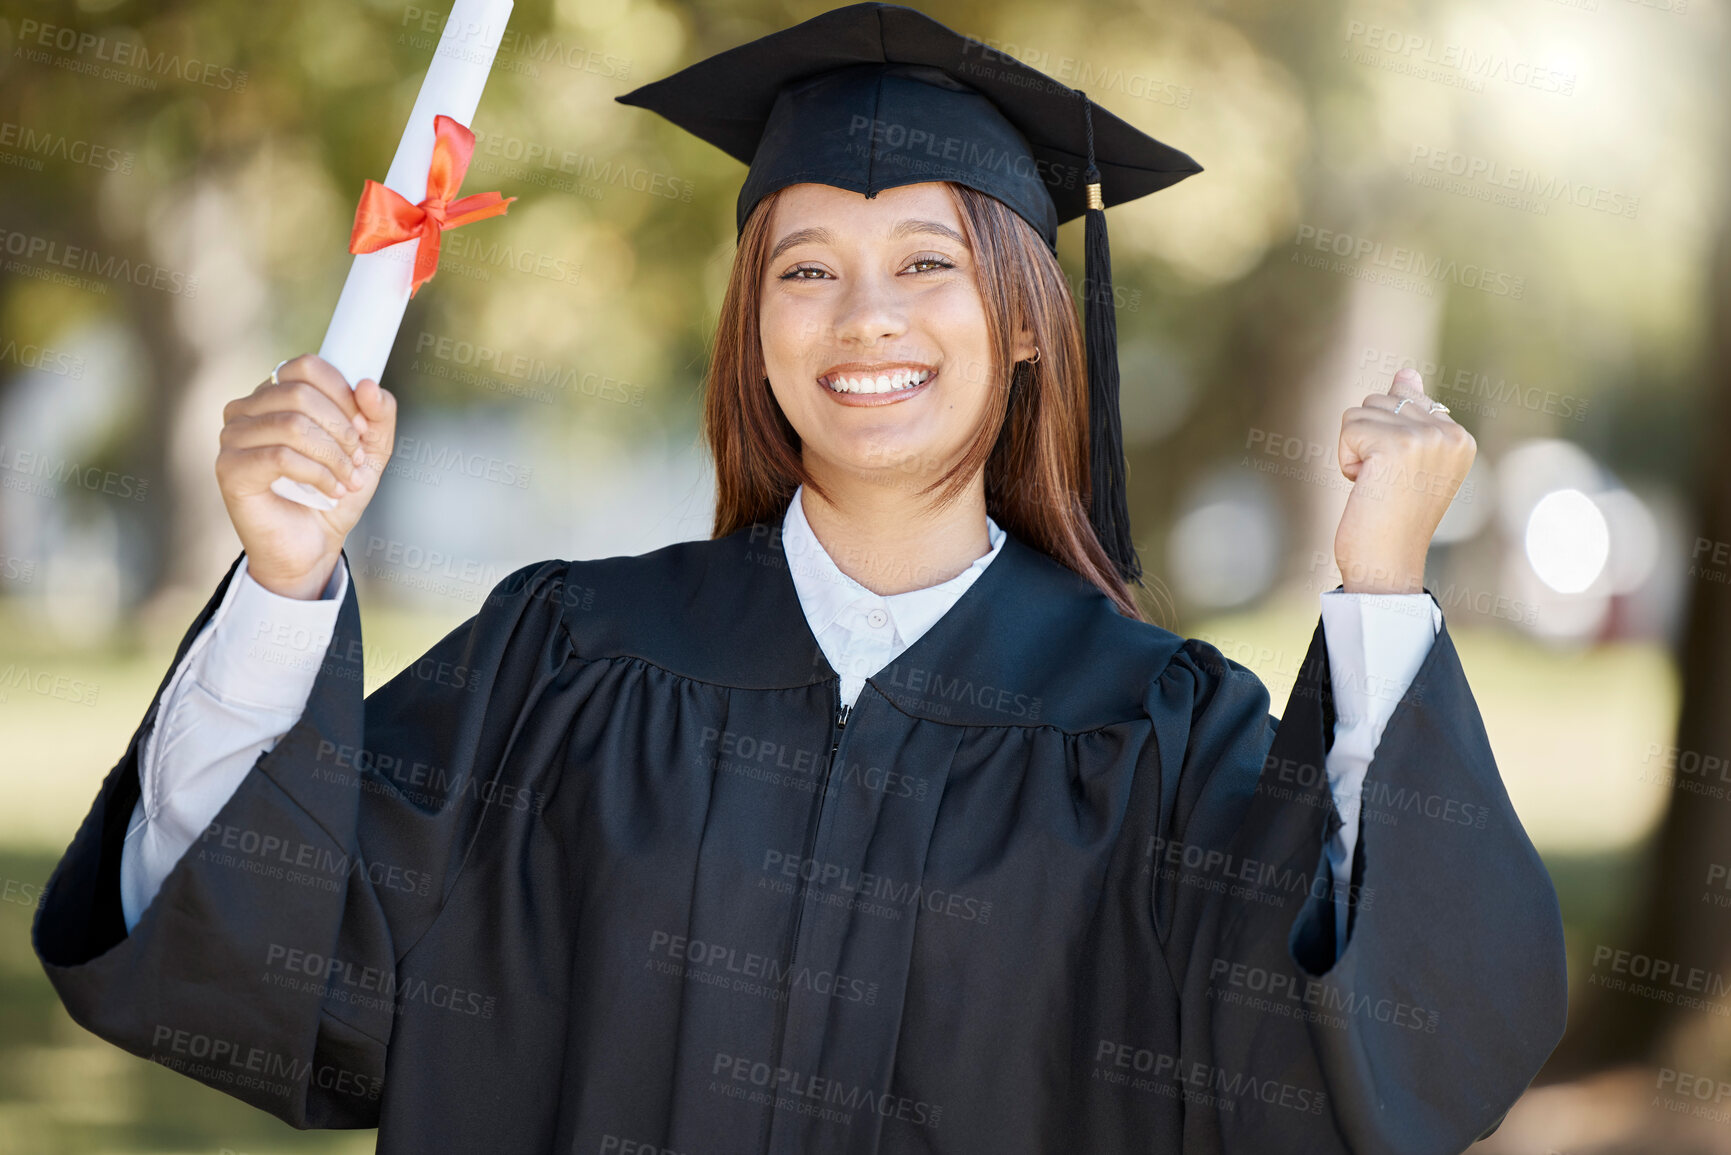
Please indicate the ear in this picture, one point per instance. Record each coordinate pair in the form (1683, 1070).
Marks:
(1023, 347)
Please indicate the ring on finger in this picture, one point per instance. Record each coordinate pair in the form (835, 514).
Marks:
(279, 365)
(1435, 406)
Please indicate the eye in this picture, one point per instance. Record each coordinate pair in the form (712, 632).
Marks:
(936, 262)
(797, 273)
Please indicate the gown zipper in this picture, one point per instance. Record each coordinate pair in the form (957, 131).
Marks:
(840, 724)
(841, 715)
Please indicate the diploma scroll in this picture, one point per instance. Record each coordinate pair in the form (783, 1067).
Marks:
(370, 309)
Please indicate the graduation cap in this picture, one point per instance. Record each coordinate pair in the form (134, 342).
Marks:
(872, 96)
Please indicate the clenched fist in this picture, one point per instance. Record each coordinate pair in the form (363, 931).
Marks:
(311, 427)
(1405, 467)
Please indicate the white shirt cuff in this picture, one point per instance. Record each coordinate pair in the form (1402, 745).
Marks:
(243, 681)
(268, 648)
(1376, 643)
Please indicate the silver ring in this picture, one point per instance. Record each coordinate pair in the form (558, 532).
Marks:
(279, 365)
(1439, 407)
(1402, 401)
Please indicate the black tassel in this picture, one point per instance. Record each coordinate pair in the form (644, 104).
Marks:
(1109, 508)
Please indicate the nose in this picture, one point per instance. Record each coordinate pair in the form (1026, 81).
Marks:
(870, 309)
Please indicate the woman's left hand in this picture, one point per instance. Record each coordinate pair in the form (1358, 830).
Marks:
(1405, 468)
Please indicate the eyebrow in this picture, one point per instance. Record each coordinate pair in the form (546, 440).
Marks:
(908, 227)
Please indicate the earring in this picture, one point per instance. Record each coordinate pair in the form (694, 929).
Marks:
(1036, 359)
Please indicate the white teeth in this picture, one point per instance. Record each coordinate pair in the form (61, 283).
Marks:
(885, 383)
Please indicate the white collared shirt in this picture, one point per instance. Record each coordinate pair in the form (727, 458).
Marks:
(861, 632)
(238, 691)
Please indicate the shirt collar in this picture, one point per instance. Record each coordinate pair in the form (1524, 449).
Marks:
(825, 591)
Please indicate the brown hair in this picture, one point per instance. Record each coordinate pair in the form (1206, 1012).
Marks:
(1032, 442)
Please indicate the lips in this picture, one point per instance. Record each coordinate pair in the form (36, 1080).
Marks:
(876, 379)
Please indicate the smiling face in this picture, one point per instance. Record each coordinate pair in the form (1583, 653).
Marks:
(874, 332)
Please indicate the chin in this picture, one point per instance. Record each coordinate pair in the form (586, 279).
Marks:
(900, 463)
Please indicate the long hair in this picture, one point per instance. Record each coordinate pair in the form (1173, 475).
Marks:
(1032, 441)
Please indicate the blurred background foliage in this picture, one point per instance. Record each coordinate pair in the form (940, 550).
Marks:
(1524, 198)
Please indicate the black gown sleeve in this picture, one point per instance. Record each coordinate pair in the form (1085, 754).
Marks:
(1452, 988)
(267, 966)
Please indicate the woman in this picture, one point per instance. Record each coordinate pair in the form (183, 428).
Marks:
(880, 822)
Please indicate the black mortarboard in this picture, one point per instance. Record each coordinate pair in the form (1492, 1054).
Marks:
(872, 96)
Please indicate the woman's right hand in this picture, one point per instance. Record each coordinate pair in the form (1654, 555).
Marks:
(309, 427)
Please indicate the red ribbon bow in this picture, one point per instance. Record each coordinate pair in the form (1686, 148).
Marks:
(385, 217)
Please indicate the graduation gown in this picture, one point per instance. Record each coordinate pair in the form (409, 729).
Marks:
(607, 869)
